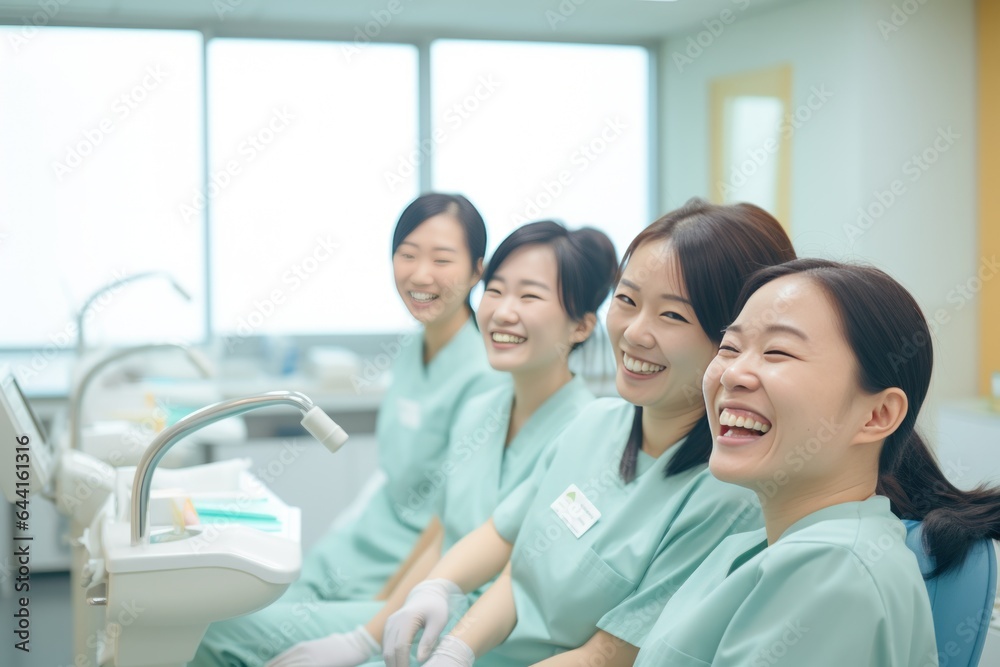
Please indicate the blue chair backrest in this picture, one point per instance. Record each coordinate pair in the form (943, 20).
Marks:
(961, 600)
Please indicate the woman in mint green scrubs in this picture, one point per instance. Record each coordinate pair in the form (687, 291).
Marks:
(437, 257)
(623, 509)
(813, 399)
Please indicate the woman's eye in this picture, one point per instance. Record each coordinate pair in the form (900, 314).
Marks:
(781, 352)
(530, 296)
(624, 299)
(674, 316)
(442, 261)
(491, 290)
(728, 349)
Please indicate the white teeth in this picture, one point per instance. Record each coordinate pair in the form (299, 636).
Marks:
(423, 296)
(507, 338)
(729, 419)
(643, 367)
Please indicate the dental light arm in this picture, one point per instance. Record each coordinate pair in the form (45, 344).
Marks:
(315, 421)
(115, 284)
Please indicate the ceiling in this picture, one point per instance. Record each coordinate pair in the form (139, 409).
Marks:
(558, 20)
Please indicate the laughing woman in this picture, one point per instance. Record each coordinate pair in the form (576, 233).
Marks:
(817, 357)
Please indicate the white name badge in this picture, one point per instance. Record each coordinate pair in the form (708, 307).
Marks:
(578, 513)
(409, 413)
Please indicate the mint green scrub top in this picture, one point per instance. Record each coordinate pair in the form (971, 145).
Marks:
(651, 535)
(839, 588)
(353, 561)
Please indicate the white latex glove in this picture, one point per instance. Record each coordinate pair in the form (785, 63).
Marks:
(451, 652)
(427, 606)
(341, 649)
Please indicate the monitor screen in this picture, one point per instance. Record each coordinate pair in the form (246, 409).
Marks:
(18, 421)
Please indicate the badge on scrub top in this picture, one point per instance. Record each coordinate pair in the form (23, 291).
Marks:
(578, 513)
(409, 413)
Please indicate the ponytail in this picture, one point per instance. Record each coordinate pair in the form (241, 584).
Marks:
(953, 520)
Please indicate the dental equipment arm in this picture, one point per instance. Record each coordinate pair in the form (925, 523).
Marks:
(76, 400)
(112, 285)
(314, 420)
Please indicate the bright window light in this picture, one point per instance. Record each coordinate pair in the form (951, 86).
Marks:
(101, 135)
(303, 138)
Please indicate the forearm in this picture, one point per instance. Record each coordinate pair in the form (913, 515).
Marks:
(432, 534)
(475, 559)
(491, 619)
(421, 567)
(602, 648)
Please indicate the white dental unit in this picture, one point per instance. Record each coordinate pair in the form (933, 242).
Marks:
(151, 578)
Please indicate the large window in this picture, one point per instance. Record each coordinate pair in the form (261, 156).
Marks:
(101, 135)
(302, 137)
(531, 131)
(309, 153)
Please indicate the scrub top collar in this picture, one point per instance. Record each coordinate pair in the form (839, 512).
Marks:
(460, 346)
(567, 395)
(873, 506)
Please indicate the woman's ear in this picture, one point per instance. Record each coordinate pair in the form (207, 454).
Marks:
(477, 273)
(887, 409)
(584, 327)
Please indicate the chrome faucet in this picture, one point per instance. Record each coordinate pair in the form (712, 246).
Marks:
(76, 400)
(317, 422)
(118, 283)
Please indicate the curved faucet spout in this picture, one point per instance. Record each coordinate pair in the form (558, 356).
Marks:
(314, 420)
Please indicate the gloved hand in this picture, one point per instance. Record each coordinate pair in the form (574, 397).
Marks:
(427, 606)
(341, 649)
(451, 652)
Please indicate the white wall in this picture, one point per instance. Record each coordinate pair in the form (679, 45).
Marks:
(892, 90)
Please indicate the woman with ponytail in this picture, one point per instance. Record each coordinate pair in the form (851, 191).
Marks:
(812, 400)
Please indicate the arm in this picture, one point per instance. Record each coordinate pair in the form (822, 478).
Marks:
(433, 534)
(419, 570)
(602, 649)
(491, 619)
(475, 559)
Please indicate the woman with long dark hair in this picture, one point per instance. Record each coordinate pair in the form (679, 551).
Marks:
(812, 400)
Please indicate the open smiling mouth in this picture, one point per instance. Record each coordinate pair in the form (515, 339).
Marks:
(507, 338)
(742, 424)
(423, 297)
(640, 367)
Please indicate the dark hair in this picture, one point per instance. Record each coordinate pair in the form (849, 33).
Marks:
(586, 263)
(427, 206)
(718, 247)
(892, 346)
